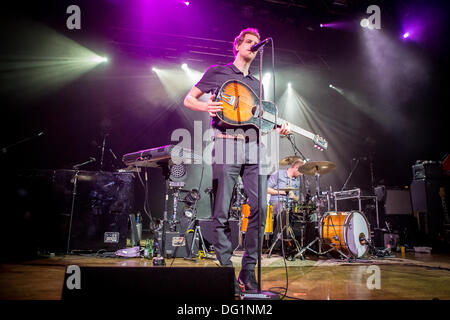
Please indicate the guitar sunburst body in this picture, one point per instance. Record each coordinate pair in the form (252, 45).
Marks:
(241, 109)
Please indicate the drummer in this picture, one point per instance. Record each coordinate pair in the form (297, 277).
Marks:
(283, 178)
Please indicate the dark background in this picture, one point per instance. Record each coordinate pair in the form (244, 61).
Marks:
(403, 117)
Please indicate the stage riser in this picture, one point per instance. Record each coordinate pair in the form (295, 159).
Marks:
(143, 283)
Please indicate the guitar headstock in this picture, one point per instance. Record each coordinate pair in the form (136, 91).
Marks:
(320, 143)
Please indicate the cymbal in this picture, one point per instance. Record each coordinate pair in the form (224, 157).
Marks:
(289, 160)
(313, 167)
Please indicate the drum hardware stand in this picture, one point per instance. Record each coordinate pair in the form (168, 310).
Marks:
(378, 253)
(176, 186)
(289, 235)
(338, 196)
(103, 151)
(197, 233)
(318, 238)
(329, 193)
(317, 176)
(166, 174)
(319, 253)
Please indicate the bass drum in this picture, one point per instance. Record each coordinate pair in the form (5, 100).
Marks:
(345, 231)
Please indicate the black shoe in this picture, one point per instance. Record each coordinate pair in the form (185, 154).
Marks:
(247, 278)
(237, 288)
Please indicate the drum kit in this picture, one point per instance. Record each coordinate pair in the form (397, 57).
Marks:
(345, 233)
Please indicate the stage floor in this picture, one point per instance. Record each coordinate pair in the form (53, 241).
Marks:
(403, 277)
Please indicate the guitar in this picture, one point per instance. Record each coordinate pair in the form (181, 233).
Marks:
(241, 108)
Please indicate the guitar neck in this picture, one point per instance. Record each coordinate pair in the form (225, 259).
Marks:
(270, 117)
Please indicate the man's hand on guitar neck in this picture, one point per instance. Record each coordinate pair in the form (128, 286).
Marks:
(284, 129)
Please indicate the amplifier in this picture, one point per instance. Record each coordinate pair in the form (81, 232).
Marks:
(427, 170)
(101, 205)
(175, 244)
(347, 194)
(398, 201)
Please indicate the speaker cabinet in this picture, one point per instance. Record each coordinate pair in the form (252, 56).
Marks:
(101, 204)
(430, 200)
(398, 201)
(186, 284)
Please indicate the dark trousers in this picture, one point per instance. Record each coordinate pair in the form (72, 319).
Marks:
(224, 179)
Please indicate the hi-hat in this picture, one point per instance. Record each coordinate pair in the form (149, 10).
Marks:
(320, 167)
(287, 161)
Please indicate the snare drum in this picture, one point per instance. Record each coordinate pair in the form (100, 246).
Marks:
(246, 213)
(345, 231)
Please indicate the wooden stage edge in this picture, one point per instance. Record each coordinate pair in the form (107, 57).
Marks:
(410, 276)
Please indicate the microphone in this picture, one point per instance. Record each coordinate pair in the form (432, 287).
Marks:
(360, 158)
(256, 47)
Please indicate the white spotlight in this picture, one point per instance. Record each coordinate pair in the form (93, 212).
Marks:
(98, 59)
(364, 23)
(289, 84)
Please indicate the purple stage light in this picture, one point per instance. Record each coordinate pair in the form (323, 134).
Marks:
(187, 3)
(406, 35)
(342, 25)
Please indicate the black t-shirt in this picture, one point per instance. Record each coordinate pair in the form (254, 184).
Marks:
(217, 75)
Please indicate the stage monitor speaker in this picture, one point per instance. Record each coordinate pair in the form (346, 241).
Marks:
(200, 284)
(398, 201)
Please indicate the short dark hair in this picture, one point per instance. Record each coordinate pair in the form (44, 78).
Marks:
(298, 162)
(240, 38)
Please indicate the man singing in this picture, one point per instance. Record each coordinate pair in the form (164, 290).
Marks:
(225, 173)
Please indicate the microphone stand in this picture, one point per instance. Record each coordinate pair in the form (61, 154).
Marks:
(266, 294)
(302, 177)
(103, 151)
(350, 175)
(74, 193)
(296, 150)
